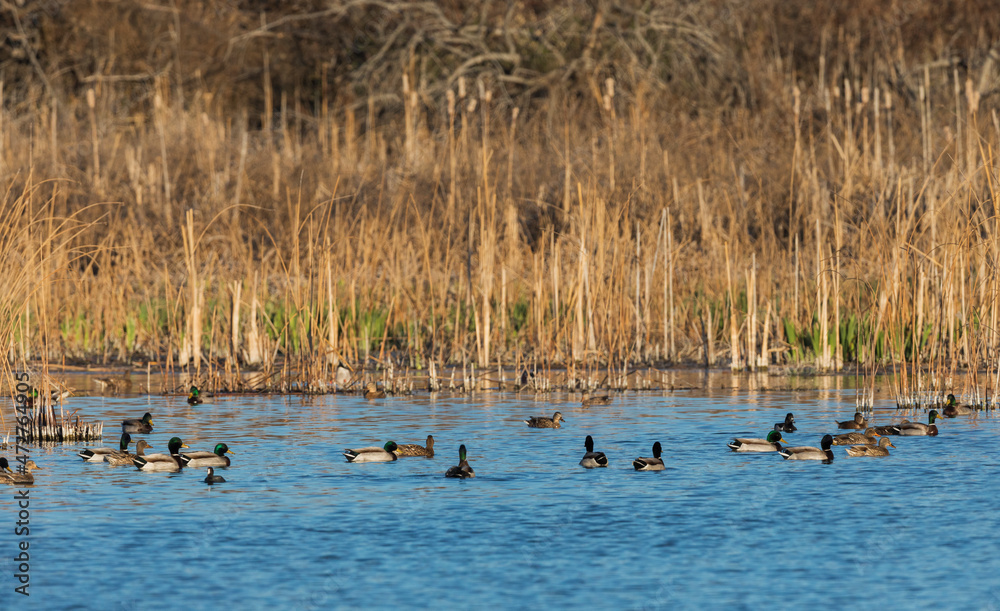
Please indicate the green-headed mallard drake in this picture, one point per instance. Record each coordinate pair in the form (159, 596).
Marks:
(212, 478)
(650, 464)
(215, 458)
(386, 453)
(100, 454)
(952, 408)
(850, 439)
(889, 429)
(120, 459)
(372, 392)
(138, 425)
(591, 400)
(592, 459)
(8, 476)
(911, 429)
(412, 449)
(882, 449)
(788, 426)
(194, 396)
(772, 443)
(163, 462)
(858, 422)
(541, 422)
(116, 384)
(463, 469)
(810, 453)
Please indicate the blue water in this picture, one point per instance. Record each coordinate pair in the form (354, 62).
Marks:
(297, 527)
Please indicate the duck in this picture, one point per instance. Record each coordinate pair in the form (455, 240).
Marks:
(592, 459)
(823, 452)
(910, 429)
(100, 454)
(194, 396)
(463, 470)
(386, 453)
(882, 449)
(891, 429)
(8, 476)
(138, 425)
(372, 392)
(858, 422)
(788, 426)
(116, 384)
(215, 458)
(650, 464)
(590, 400)
(849, 439)
(952, 408)
(772, 443)
(212, 478)
(541, 422)
(119, 459)
(163, 462)
(412, 449)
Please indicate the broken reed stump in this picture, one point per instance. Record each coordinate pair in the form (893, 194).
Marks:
(44, 425)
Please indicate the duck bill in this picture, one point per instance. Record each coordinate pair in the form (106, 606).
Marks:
(230, 452)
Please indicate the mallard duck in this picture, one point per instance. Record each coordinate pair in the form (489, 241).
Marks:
(850, 439)
(463, 469)
(163, 462)
(116, 384)
(650, 464)
(592, 459)
(772, 443)
(138, 425)
(212, 478)
(215, 458)
(952, 408)
(891, 429)
(590, 400)
(809, 453)
(858, 422)
(194, 396)
(788, 426)
(100, 454)
(412, 449)
(541, 422)
(8, 476)
(372, 392)
(120, 459)
(911, 429)
(386, 453)
(882, 449)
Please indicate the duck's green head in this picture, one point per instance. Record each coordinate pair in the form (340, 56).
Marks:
(147, 418)
(657, 450)
(175, 444)
(826, 442)
(932, 416)
(774, 437)
(194, 391)
(125, 440)
(461, 453)
(221, 448)
(390, 446)
(952, 401)
(4, 465)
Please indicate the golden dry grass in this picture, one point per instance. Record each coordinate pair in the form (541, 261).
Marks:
(314, 182)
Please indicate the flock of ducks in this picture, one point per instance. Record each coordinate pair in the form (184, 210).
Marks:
(173, 461)
(874, 441)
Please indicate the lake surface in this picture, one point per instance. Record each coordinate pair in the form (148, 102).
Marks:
(295, 526)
